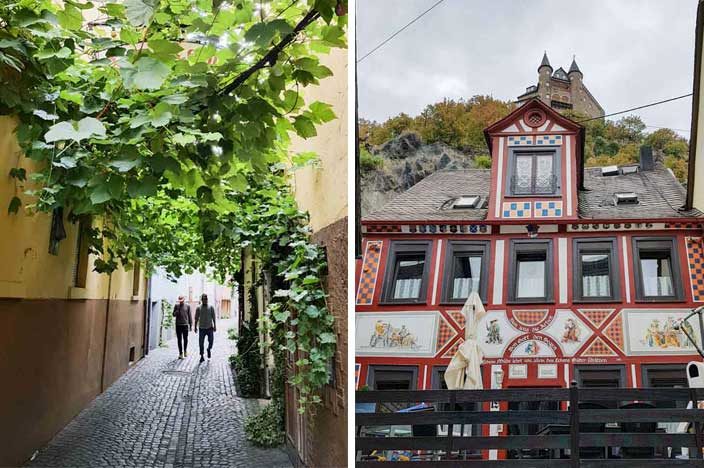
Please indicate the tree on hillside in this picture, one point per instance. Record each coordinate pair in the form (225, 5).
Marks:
(459, 124)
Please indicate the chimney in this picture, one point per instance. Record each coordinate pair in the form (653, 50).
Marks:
(647, 163)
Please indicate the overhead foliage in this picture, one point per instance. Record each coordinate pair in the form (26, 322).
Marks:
(166, 98)
(169, 121)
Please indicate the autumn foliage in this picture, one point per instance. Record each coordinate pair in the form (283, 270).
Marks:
(461, 123)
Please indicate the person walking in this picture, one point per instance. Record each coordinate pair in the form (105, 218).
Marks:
(182, 312)
(205, 321)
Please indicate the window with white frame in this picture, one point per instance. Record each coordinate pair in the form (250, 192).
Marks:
(533, 173)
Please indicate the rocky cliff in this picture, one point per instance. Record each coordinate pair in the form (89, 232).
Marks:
(406, 161)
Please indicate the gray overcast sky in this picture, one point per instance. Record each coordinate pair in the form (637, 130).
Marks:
(631, 52)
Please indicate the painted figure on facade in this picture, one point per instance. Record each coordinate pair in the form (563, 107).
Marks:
(494, 333)
(572, 332)
(532, 348)
(388, 336)
(667, 335)
(379, 333)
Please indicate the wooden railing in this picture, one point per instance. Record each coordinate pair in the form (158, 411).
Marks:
(577, 427)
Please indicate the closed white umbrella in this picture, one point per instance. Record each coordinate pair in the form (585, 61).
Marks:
(464, 371)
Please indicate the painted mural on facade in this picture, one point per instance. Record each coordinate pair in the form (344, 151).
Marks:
(396, 334)
(659, 331)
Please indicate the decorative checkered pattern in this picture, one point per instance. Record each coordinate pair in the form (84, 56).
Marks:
(548, 209)
(384, 228)
(695, 257)
(548, 140)
(459, 317)
(599, 348)
(522, 140)
(450, 353)
(614, 332)
(370, 267)
(530, 317)
(357, 372)
(516, 210)
(445, 334)
(596, 316)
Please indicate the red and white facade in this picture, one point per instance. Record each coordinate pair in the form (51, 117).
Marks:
(540, 342)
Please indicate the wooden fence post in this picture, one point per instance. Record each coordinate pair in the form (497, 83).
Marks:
(451, 427)
(574, 425)
(697, 426)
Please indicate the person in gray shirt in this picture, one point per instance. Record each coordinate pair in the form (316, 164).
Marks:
(205, 321)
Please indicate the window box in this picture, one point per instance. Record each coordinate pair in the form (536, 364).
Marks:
(406, 278)
(657, 269)
(466, 270)
(596, 276)
(530, 275)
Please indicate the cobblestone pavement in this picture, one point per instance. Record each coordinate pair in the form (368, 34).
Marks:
(165, 413)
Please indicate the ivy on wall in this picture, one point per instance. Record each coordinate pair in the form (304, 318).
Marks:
(169, 120)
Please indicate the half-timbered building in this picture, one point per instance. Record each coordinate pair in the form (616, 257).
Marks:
(585, 272)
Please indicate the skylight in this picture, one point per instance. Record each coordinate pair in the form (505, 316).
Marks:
(466, 201)
(609, 170)
(629, 169)
(625, 198)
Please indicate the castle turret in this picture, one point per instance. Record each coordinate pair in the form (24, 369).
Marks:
(545, 62)
(562, 89)
(574, 72)
(577, 94)
(544, 73)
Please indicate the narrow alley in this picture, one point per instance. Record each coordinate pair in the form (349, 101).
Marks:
(165, 412)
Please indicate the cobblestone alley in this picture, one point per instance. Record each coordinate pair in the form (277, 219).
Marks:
(165, 413)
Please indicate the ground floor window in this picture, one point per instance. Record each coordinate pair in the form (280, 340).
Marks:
(666, 376)
(595, 376)
(392, 377)
(529, 429)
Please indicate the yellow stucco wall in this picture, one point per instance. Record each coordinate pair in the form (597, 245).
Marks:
(698, 189)
(28, 270)
(322, 191)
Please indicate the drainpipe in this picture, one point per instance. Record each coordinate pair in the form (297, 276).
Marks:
(105, 341)
(147, 315)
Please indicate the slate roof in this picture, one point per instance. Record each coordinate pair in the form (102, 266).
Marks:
(574, 67)
(659, 193)
(545, 62)
(430, 198)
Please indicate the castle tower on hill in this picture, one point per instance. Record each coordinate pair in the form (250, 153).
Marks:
(562, 90)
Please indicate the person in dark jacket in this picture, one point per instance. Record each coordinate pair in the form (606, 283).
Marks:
(205, 321)
(182, 312)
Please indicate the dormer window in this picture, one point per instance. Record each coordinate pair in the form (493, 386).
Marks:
(466, 201)
(533, 173)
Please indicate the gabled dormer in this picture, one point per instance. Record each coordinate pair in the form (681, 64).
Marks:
(536, 164)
